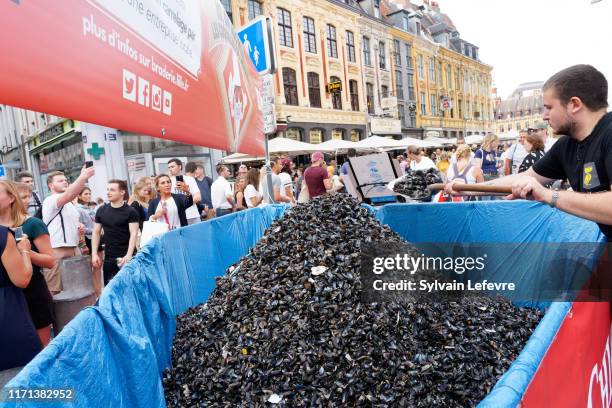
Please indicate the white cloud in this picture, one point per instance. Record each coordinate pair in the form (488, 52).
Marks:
(529, 40)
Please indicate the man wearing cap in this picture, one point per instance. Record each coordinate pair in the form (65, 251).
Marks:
(541, 129)
(575, 105)
(316, 177)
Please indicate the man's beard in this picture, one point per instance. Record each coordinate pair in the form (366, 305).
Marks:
(568, 128)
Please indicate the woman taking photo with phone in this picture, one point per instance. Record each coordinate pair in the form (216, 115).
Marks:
(168, 207)
(19, 342)
(40, 301)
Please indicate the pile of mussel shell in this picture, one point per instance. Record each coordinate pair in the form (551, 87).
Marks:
(285, 327)
(414, 184)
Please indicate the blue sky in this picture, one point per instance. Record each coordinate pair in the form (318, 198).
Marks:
(529, 40)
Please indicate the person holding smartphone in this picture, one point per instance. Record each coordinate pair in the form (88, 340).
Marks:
(38, 297)
(168, 207)
(175, 168)
(62, 218)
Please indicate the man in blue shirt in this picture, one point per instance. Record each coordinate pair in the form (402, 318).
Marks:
(345, 166)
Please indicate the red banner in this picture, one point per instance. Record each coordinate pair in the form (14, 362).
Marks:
(577, 368)
(173, 69)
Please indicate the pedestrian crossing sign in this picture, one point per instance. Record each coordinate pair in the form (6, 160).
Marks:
(257, 43)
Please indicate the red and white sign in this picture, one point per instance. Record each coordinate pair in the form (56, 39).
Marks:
(173, 69)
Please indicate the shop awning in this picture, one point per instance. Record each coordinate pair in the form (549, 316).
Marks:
(54, 141)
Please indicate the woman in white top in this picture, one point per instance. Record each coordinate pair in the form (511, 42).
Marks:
(170, 208)
(252, 196)
(464, 168)
(286, 181)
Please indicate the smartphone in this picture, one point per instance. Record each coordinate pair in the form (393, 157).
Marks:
(18, 231)
(88, 164)
(179, 178)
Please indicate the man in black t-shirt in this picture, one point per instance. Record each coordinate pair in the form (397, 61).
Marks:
(120, 224)
(575, 105)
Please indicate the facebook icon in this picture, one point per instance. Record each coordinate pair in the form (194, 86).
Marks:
(255, 42)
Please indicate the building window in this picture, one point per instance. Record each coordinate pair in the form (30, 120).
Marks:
(350, 46)
(336, 96)
(285, 32)
(466, 84)
(377, 8)
(420, 67)
(384, 91)
(467, 108)
(440, 77)
(409, 55)
(366, 52)
(316, 136)
(255, 9)
(370, 97)
(432, 70)
(290, 85)
(423, 101)
(399, 86)
(433, 104)
(452, 111)
(354, 95)
(314, 90)
(294, 134)
(458, 80)
(355, 135)
(405, 23)
(418, 28)
(449, 82)
(411, 96)
(337, 134)
(227, 6)
(382, 55)
(310, 40)
(397, 53)
(332, 45)
(402, 115)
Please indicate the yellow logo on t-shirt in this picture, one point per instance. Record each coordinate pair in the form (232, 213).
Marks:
(587, 176)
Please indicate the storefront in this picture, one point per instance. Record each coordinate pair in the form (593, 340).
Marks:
(64, 147)
(321, 132)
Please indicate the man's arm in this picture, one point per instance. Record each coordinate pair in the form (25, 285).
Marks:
(508, 167)
(278, 197)
(95, 243)
(328, 183)
(75, 188)
(507, 181)
(195, 191)
(132, 244)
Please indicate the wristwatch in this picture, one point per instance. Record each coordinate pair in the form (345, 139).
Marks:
(555, 197)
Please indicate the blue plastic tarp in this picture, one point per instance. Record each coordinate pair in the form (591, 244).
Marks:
(114, 354)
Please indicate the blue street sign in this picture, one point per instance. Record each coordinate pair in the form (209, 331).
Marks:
(256, 42)
(2, 171)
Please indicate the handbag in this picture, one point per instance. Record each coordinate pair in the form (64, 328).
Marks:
(304, 196)
(152, 229)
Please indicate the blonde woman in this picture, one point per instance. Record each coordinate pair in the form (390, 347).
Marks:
(140, 198)
(38, 297)
(486, 157)
(464, 169)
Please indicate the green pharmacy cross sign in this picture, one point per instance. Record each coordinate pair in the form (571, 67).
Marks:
(95, 151)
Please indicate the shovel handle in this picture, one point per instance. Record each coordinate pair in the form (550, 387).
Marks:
(473, 188)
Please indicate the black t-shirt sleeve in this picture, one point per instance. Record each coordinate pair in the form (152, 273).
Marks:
(99, 215)
(133, 217)
(551, 165)
(607, 154)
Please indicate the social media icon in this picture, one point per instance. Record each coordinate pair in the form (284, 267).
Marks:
(167, 103)
(144, 92)
(129, 85)
(156, 95)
